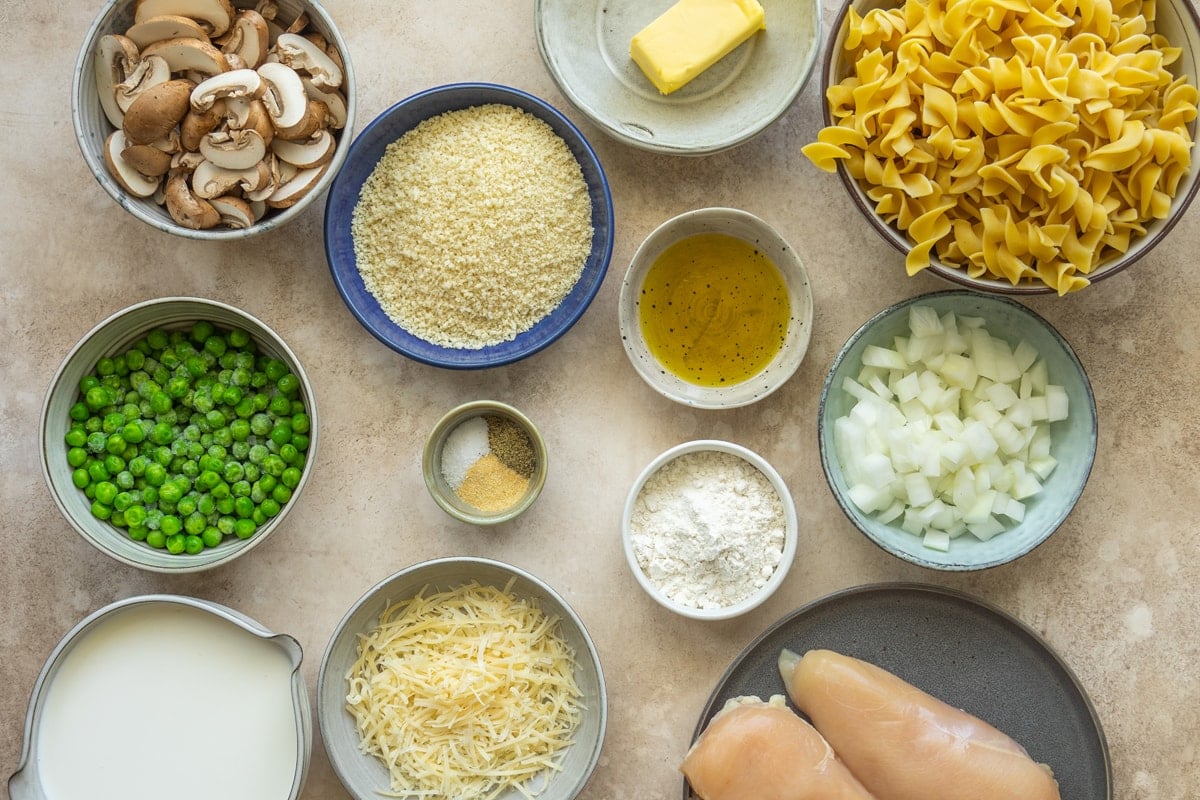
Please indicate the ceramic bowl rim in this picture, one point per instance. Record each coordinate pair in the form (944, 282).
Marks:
(829, 462)
(431, 460)
(589, 662)
(790, 539)
(793, 271)
(134, 205)
(396, 338)
(958, 277)
(206, 559)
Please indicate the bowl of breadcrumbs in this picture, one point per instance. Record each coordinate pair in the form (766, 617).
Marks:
(470, 226)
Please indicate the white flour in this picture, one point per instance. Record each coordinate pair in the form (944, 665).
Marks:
(707, 529)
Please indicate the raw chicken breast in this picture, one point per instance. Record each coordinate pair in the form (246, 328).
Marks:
(753, 750)
(904, 744)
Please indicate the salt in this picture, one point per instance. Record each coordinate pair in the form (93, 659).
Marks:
(465, 445)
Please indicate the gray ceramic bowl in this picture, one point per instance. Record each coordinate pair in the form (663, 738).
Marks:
(114, 335)
(1073, 439)
(92, 126)
(212, 636)
(443, 493)
(585, 45)
(1176, 19)
(790, 542)
(747, 227)
(363, 775)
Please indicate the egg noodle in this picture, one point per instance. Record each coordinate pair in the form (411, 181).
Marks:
(1023, 140)
(465, 693)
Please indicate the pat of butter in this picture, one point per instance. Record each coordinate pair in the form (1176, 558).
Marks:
(691, 36)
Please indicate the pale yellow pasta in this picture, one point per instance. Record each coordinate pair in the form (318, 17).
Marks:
(1018, 140)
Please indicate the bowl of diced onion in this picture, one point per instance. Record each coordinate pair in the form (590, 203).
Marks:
(957, 430)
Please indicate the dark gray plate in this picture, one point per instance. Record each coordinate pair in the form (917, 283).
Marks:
(959, 649)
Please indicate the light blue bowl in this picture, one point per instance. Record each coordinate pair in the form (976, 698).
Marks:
(365, 153)
(1073, 442)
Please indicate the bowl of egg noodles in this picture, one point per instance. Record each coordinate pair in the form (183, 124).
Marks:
(1019, 148)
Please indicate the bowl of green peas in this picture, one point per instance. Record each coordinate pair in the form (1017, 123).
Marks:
(177, 434)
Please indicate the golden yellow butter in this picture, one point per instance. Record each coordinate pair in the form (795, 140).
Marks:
(691, 36)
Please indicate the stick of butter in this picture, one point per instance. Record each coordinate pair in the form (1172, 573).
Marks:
(691, 36)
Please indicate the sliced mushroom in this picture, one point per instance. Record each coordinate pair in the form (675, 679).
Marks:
(169, 144)
(156, 111)
(312, 152)
(248, 38)
(167, 26)
(210, 180)
(234, 150)
(298, 24)
(304, 56)
(129, 178)
(290, 192)
(233, 84)
(235, 212)
(284, 97)
(147, 159)
(150, 71)
(116, 57)
(256, 118)
(334, 100)
(269, 9)
(215, 15)
(186, 162)
(312, 121)
(197, 123)
(189, 55)
(258, 208)
(186, 208)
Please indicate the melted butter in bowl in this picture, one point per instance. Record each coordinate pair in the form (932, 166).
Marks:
(167, 697)
(715, 309)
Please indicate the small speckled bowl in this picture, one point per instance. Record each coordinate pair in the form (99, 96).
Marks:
(444, 494)
(1073, 444)
(585, 45)
(364, 775)
(92, 127)
(790, 540)
(114, 335)
(88, 645)
(749, 228)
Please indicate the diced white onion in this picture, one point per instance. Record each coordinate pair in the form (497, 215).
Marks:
(950, 432)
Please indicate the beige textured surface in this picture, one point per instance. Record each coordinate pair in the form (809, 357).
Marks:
(1115, 590)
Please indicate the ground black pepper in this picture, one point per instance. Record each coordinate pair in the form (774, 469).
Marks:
(510, 443)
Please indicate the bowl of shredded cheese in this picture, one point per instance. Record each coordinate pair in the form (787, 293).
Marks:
(470, 227)
(462, 678)
(1014, 148)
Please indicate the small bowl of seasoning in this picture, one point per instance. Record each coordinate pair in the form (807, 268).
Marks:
(484, 462)
(716, 309)
(709, 529)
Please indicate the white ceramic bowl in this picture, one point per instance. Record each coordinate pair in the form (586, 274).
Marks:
(789, 545)
(585, 46)
(1073, 439)
(364, 775)
(115, 335)
(92, 126)
(1176, 19)
(212, 636)
(747, 227)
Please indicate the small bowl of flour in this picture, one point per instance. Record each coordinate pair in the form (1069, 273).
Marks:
(709, 529)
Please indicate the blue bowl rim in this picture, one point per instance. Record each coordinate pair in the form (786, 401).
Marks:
(483, 357)
(828, 462)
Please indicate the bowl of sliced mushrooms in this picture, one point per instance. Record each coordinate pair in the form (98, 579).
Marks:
(213, 119)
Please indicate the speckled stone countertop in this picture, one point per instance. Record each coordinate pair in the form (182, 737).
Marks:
(1114, 591)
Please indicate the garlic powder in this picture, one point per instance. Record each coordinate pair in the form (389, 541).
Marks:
(708, 529)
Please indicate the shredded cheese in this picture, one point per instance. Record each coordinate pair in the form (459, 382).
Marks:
(465, 693)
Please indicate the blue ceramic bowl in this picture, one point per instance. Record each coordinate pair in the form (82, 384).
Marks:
(365, 153)
(1073, 439)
